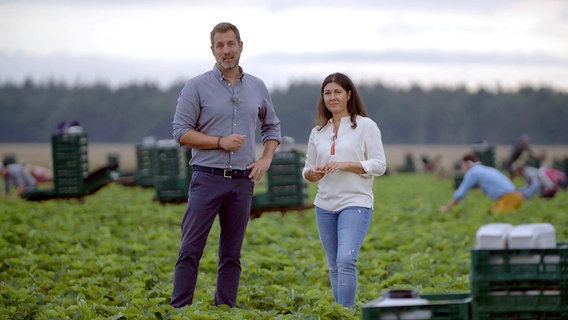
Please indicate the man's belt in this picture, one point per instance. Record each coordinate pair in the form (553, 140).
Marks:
(225, 173)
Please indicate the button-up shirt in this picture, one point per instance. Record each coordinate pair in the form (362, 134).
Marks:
(363, 144)
(210, 104)
(491, 181)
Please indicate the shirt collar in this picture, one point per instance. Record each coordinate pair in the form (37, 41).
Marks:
(343, 119)
(219, 75)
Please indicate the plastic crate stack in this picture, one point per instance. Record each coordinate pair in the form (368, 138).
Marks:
(172, 172)
(526, 280)
(145, 156)
(70, 163)
(286, 187)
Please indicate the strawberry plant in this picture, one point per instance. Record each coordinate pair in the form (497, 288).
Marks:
(112, 255)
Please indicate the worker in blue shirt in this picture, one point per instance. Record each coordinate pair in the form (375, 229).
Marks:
(492, 182)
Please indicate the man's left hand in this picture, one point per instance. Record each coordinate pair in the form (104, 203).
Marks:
(258, 168)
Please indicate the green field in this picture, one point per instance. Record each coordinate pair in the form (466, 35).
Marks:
(112, 255)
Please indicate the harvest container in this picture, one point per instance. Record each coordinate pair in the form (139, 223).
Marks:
(520, 264)
(520, 283)
(70, 163)
(286, 188)
(172, 172)
(144, 174)
(520, 295)
(455, 306)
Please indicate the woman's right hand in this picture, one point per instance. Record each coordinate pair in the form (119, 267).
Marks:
(315, 174)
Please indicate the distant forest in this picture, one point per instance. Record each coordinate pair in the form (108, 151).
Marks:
(31, 111)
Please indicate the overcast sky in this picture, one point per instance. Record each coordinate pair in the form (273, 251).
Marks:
(435, 42)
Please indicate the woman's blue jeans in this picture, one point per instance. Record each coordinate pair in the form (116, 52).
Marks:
(342, 234)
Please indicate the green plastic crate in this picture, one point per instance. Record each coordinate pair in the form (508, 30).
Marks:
(293, 157)
(144, 173)
(455, 306)
(285, 179)
(519, 264)
(520, 280)
(521, 315)
(285, 169)
(261, 200)
(287, 189)
(520, 295)
(293, 200)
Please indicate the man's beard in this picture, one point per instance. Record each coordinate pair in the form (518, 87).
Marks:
(230, 66)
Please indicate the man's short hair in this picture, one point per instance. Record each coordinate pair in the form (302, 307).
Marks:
(470, 157)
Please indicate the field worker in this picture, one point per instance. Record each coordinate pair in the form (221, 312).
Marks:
(16, 175)
(41, 174)
(344, 155)
(537, 180)
(494, 184)
(216, 116)
(520, 148)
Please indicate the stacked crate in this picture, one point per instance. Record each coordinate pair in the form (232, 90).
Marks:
(520, 283)
(171, 171)
(286, 187)
(70, 163)
(145, 156)
(285, 182)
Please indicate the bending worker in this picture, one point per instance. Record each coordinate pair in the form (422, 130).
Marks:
(494, 184)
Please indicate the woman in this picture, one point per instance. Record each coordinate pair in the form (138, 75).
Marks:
(344, 154)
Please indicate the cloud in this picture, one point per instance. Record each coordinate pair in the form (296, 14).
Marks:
(439, 41)
(400, 68)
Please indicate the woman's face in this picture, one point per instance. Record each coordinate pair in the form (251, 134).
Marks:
(335, 99)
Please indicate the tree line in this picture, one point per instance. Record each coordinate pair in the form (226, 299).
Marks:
(415, 115)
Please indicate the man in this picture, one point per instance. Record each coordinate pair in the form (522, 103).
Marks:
(216, 116)
(491, 181)
(16, 175)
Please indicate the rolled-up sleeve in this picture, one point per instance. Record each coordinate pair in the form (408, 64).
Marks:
(375, 163)
(269, 121)
(311, 154)
(187, 111)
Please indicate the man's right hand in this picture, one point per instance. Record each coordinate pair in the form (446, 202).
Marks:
(232, 142)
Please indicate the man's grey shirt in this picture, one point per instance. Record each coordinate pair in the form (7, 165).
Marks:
(209, 104)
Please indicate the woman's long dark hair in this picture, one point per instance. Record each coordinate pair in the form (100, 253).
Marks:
(355, 105)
